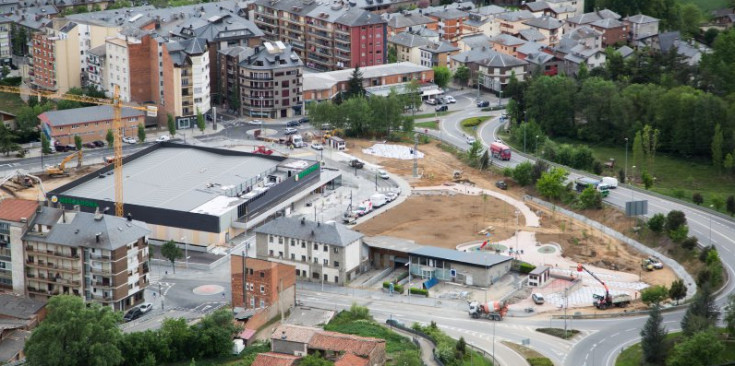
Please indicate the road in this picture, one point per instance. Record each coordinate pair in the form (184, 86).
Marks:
(602, 347)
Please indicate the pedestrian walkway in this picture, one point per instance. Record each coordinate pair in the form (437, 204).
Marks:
(426, 347)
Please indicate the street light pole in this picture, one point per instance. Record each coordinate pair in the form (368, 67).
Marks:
(710, 226)
(625, 168)
(517, 213)
(261, 115)
(186, 251)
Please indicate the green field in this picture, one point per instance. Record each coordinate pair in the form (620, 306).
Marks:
(11, 103)
(430, 125)
(430, 115)
(708, 5)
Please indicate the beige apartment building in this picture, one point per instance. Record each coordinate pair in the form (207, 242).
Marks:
(186, 80)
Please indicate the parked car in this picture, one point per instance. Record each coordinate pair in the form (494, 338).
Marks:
(441, 108)
(450, 99)
(317, 146)
(470, 140)
(132, 314)
(501, 184)
(441, 100)
(145, 307)
(99, 143)
(304, 120)
(294, 123)
(290, 131)
(89, 145)
(163, 138)
(431, 101)
(256, 122)
(383, 174)
(130, 140)
(483, 103)
(537, 298)
(392, 195)
(654, 262)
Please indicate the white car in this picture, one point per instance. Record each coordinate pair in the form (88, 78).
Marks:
(470, 140)
(392, 195)
(130, 140)
(317, 146)
(290, 131)
(163, 138)
(450, 99)
(146, 307)
(256, 122)
(431, 101)
(383, 174)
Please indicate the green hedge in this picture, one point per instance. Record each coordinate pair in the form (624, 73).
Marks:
(494, 108)
(402, 276)
(419, 291)
(539, 361)
(472, 122)
(396, 288)
(526, 267)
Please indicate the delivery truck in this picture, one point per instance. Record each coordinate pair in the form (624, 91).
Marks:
(500, 151)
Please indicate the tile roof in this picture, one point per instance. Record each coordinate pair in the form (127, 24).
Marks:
(350, 359)
(545, 22)
(338, 342)
(13, 344)
(85, 114)
(275, 359)
(13, 209)
(607, 23)
(399, 20)
(477, 40)
(529, 48)
(489, 10)
(625, 51)
(332, 234)
(449, 14)
(410, 40)
(358, 17)
(641, 19)
(515, 16)
(294, 333)
(531, 34)
(538, 58)
(439, 47)
(537, 6)
(507, 40)
(12, 306)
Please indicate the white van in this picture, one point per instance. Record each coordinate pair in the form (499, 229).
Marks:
(378, 200)
(611, 182)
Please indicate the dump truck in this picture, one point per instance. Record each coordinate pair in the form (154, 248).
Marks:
(493, 310)
(603, 302)
(500, 151)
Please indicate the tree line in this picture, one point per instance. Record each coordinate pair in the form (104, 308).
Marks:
(75, 333)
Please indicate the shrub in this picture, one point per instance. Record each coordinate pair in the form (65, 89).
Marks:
(697, 198)
(471, 122)
(522, 173)
(419, 291)
(675, 219)
(396, 287)
(508, 172)
(539, 361)
(679, 234)
(657, 222)
(689, 243)
(526, 267)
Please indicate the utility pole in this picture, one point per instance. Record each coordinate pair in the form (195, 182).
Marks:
(415, 156)
(160, 293)
(625, 169)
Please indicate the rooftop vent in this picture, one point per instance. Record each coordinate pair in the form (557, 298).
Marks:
(303, 221)
(283, 334)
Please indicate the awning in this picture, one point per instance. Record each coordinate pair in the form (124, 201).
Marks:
(431, 92)
(246, 334)
(245, 315)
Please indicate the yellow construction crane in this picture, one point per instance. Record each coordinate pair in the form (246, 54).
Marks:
(117, 106)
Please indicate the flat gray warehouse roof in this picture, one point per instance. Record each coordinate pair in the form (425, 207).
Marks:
(179, 178)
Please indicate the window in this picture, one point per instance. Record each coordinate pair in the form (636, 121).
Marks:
(303, 244)
(251, 272)
(316, 260)
(303, 258)
(280, 240)
(270, 253)
(316, 246)
(298, 272)
(252, 302)
(262, 303)
(293, 242)
(336, 264)
(326, 278)
(280, 255)
(262, 289)
(270, 238)
(336, 279)
(336, 250)
(326, 262)
(326, 248)
(293, 256)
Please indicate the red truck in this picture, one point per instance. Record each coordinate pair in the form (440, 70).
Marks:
(500, 151)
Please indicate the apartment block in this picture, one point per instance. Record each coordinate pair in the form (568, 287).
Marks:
(89, 123)
(95, 75)
(320, 252)
(271, 82)
(228, 77)
(326, 36)
(98, 257)
(14, 217)
(449, 23)
(6, 48)
(265, 283)
(186, 80)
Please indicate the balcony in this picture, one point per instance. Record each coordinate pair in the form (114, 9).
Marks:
(269, 77)
(100, 270)
(320, 34)
(342, 57)
(341, 47)
(102, 285)
(266, 21)
(342, 31)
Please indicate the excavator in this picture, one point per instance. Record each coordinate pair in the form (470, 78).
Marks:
(25, 179)
(60, 170)
(603, 302)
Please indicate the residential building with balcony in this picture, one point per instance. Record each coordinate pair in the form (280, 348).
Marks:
(641, 28)
(98, 257)
(228, 62)
(325, 36)
(186, 80)
(407, 47)
(513, 22)
(571, 7)
(437, 53)
(613, 31)
(589, 18)
(95, 75)
(271, 82)
(6, 48)
(549, 27)
(405, 20)
(320, 252)
(449, 23)
(507, 44)
(482, 21)
(492, 69)
(14, 217)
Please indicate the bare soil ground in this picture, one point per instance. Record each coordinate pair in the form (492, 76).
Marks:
(49, 183)
(417, 217)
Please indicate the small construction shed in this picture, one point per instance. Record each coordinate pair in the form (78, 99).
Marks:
(539, 276)
(336, 142)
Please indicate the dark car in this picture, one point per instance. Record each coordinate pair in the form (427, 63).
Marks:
(132, 314)
(483, 103)
(292, 123)
(501, 184)
(209, 117)
(442, 108)
(304, 120)
(98, 143)
(90, 145)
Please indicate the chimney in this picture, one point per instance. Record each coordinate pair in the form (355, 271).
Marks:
(130, 217)
(97, 237)
(283, 334)
(303, 221)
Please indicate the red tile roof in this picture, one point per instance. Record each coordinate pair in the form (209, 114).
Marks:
(274, 359)
(12, 209)
(350, 359)
(333, 341)
(294, 333)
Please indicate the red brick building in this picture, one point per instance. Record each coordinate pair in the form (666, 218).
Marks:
(43, 72)
(266, 283)
(89, 123)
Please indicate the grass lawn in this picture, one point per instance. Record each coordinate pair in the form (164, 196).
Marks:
(431, 115)
(708, 5)
(534, 358)
(430, 125)
(632, 355)
(346, 323)
(470, 125)
(558, 332)
(11, 103)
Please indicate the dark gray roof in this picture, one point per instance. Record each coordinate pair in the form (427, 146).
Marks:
(608, 14)
(13, 344)
(585, 18)
(449, 14)
(537, 6)
(474, 55)
(489, 10)
(81, 230)
(625, 51)
(359, 17)
(399, 20)
(18, 307)
(481, 259)
(478, 40)
(544, 23)
(531, 34)
(498, 59)
(86, 114)
(99, 51)
(515, 16)
(530, 47)
(666, 40)
(538, 58)
(439, 47)
(607, 23)
(406, 39)
(272, 56)
(507, 40)
(641, 19)
(332, 233)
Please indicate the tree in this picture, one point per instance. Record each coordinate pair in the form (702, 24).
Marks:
(474, 152)
(638, 154)
(730, 205)
(657, 222)
(7, 140)
(654, 295)
(717, 202)
(652, 336)
(689, 243)
(485, 161)
(522, 173)
(647, 180)
(178, 337)
(110, 137)
(392, 55)
(141, 132)
(460, 348)
(728, 163)
(539, 168)
(679, 235)
(589, 198)
(691, 18)
(200, 121)
(702, 312)
(675, 219)
(78, 144)
(697, 198)
(442, 75)
(214, 334)
(354, 84)
(717, 147)
(75, 333)
(171, 125)
(462, 75)
(172, 252)
(45, 144)
(315, 360)
(730, 315)
(650, 145)
(701, 349)
(551, 184)
(4, 71)
(678, 290)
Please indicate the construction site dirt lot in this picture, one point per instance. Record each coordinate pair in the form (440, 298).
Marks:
(448, 221)
(49, 183)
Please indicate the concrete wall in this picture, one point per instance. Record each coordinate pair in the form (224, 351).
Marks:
(17, 259)
(288, 347)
